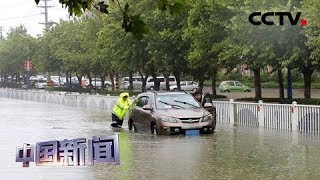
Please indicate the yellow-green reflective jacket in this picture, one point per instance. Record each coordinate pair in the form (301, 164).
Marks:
(122, 106)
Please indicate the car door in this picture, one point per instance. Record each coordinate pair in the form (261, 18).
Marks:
(230, 86)
(142, 117)
(238, 86)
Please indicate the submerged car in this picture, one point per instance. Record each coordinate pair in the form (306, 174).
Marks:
(170, 113)
(233, 86)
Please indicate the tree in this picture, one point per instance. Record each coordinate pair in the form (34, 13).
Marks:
(131, 21)
(166, 47)
(14, 50)
(206, 31)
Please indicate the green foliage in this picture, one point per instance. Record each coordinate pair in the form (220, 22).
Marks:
(131, 21)
(174, 6)
(15, 49)
(236, 76)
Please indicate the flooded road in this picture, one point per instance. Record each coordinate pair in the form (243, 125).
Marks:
(230, 153)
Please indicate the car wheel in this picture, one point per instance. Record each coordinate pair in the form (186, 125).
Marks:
(247, 90)
(210, 131)
(226, 91)
(154, 129)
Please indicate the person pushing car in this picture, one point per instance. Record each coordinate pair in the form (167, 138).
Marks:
(120, 109)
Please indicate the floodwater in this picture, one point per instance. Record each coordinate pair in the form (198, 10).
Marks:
(230, 153)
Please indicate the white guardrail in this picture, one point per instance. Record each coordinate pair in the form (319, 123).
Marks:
(304, 118)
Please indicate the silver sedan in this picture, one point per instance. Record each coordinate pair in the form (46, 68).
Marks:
(185, 86)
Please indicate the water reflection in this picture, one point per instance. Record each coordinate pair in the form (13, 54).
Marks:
(230, 153)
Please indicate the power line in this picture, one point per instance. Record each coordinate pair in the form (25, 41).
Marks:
(19, 17)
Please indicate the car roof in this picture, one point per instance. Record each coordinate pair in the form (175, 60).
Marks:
(160, 93)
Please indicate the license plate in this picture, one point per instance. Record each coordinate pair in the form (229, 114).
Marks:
(192, 132)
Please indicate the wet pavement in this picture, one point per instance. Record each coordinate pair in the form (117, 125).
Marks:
(230, 153)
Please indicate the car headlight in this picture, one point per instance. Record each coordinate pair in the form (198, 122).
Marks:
(207, 118)
(168, 119)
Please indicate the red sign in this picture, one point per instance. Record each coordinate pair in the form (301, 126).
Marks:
(27, 66)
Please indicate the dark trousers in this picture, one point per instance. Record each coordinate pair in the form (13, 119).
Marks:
(116, 122)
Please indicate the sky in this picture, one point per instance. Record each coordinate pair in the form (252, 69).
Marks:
(16, 12)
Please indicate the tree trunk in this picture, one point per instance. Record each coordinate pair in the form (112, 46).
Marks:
(103, 78)
(117, 82)
(213, 83)
(79, 77)
(144, 81)
(257, 83)
(112, 82)
(59, 79)
(67, 77)
(130, 81)
(166, 77)
(281, 85)
(178, 80)
(307, 83)
(70, 74)
(201, 81)
(6, 80)
(156, 83)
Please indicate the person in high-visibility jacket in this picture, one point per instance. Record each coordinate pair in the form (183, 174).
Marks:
(120, 109)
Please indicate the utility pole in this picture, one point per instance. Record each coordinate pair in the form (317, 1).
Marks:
(45, 6)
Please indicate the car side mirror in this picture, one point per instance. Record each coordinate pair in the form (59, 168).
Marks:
(147, 107)
(207, 105)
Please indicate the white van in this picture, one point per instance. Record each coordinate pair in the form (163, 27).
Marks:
(150, 82)
(136, 80)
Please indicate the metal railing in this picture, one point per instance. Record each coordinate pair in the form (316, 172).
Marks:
(304, 118)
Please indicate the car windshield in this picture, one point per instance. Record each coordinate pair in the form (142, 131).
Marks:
(170, 101)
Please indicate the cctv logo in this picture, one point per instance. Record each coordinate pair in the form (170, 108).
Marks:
(281, 15)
